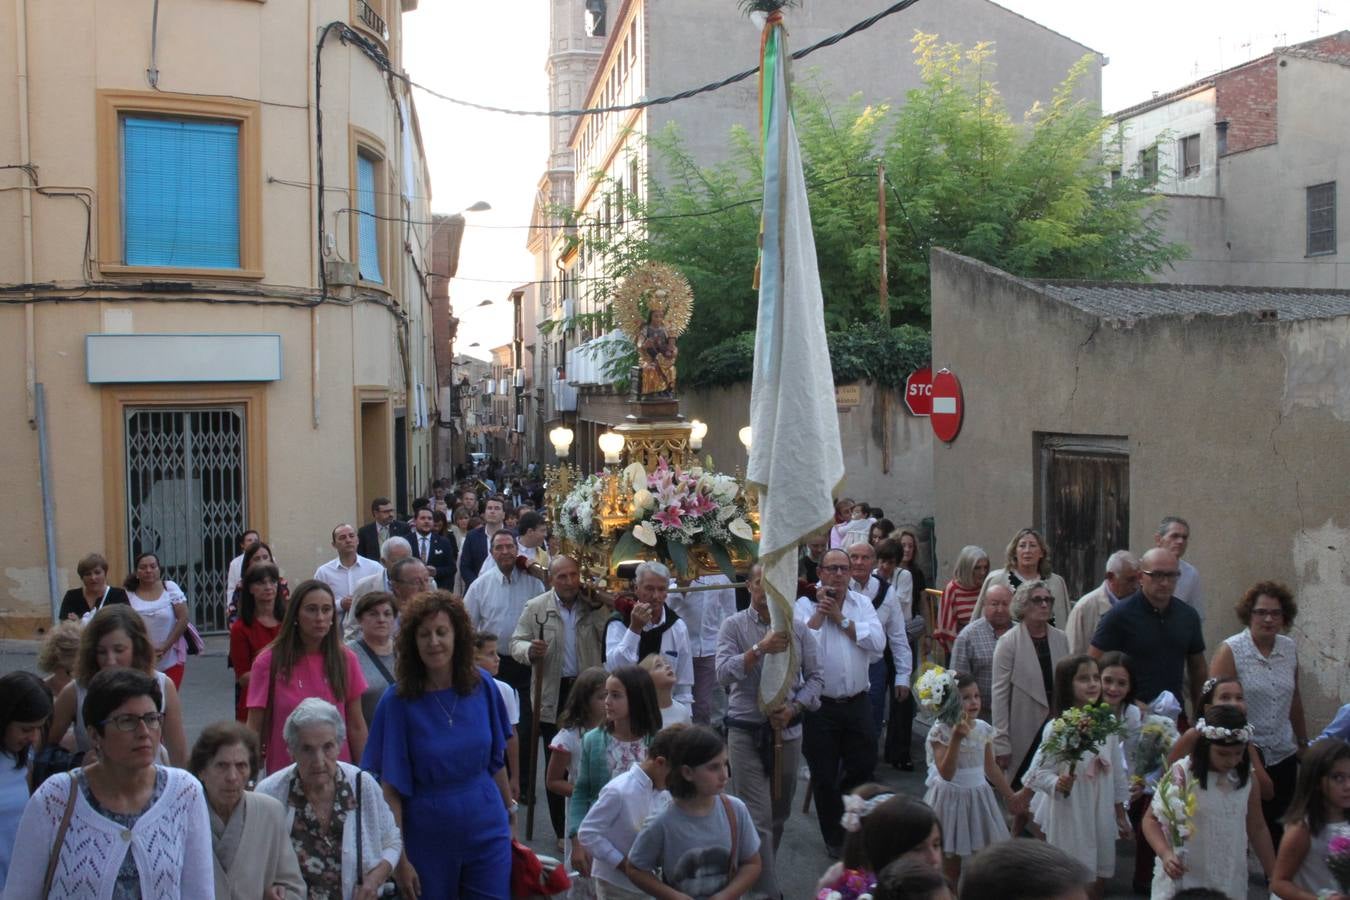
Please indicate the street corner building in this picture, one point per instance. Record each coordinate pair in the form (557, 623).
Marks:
(1096, 409)
(216, 251)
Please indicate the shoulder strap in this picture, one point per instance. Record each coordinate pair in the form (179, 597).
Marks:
(266, 736)
(883, 587)
(55, 856)
(376, 660)
(360, 864)
(733, 825)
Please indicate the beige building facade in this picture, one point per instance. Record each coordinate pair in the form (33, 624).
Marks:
(217, 313)
(1093, 410)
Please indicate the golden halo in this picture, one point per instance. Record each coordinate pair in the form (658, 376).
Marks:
(651, 286)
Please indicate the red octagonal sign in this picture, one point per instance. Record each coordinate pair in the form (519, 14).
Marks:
(948, 406)
(919, 391)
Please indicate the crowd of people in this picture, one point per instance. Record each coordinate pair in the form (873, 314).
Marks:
(388, 711)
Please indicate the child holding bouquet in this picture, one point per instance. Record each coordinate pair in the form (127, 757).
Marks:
(1205, 814)
(1079, 772)
(1314, 858)
(961, 767)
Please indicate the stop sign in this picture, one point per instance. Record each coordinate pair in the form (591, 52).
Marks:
(948, 406)
(919, 391)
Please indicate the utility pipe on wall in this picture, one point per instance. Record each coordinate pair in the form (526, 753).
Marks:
(26, 213)
(48, 501)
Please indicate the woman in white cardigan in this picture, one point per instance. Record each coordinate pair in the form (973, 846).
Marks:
(327, 803)
(136, 829)
(250, 838)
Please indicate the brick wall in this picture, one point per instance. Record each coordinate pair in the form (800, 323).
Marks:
(1246, 98)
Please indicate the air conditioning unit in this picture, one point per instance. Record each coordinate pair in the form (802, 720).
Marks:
(520, 423)
(520, 378)
(504, 386)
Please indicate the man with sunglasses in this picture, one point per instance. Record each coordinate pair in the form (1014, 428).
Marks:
(1160, 634)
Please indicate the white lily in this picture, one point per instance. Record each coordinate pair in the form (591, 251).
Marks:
(636, 476)
(741, 529)
(644, 533)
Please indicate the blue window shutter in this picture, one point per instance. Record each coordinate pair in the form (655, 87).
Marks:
(180, 193)
(368, 229)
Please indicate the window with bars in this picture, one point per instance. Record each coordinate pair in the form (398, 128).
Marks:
(1190, 155)
(1322, 219)
(180, 188)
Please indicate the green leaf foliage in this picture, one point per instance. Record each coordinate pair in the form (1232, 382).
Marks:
(1037, 199)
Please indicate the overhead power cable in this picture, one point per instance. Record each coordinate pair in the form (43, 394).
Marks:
(660, 101)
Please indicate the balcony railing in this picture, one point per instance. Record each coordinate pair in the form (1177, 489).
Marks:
(367, 16)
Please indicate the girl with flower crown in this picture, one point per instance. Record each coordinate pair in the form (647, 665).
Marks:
(1205, 814)
(880, 827)
(961, 766)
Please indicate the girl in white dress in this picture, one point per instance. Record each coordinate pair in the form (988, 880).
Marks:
(1081, 813)
(585, 710)
(1227, 815)
(961, 767)
(1315, 816)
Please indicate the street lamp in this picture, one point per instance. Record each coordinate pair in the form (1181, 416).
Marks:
(561, 439)
(611, 444)
(697, 432)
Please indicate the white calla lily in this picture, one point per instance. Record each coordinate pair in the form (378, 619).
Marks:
(741, 529)
(635, 475)
(643, 533)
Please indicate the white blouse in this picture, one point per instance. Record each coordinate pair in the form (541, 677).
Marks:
(159, 621)
(1268, 683)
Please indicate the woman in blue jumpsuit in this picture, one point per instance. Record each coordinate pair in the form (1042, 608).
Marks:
(438, 746)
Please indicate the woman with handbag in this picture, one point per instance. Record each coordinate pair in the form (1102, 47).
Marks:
(115, 637)
(261, 609)
(374, 649)
(438, 746)
(341, 829)
(122, 826)
(163, 606)
(305, 660)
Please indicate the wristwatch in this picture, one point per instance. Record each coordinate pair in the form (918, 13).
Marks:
(845, 623)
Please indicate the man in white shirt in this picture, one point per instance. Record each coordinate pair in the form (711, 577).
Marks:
(889, 672)
(1174, 533)
(494, 602)
(235, 573)
(652, 628)
(531, 533)
(346, 571)
(391, 551)
(703, 613)
(840, 742)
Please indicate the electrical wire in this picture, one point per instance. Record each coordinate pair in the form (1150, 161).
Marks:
(672, 98)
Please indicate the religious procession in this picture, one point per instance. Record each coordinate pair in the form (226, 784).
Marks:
(608, 668)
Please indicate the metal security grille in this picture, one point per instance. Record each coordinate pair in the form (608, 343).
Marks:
(187, 498)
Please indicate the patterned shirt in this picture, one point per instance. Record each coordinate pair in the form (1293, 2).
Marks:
(1268, 683)
(319, 847)
(973, 652)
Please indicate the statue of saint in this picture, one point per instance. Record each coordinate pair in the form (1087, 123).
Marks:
(656, 355)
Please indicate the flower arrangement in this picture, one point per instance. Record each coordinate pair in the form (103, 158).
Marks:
(937, 693)
(1081, 730)
(672, 510)
(1338, 858)
(1174, 806)
(1157, 734)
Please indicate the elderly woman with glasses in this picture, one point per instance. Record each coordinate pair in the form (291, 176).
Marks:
(120, 827)
(253, 858)
(341, 829)
(1024, 677)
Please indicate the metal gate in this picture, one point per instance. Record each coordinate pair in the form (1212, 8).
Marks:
(187, 492)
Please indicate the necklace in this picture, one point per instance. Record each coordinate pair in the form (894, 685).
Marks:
(449, 713)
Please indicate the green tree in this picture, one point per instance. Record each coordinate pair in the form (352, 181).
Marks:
(1036, 199)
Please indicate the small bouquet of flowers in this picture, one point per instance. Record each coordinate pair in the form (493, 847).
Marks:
(1083, 729)
(1338, 858)
(1174, 806)
(1156, 737)
(937, 693)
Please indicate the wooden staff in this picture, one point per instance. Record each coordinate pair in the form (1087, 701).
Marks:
(534, 733)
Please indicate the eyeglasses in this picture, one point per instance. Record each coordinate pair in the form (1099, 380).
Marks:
(834, 568)
(1041, 600)
(1161, 575)
(1269, 613)
(128, 722)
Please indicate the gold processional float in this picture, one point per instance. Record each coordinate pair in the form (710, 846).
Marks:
(654, 499)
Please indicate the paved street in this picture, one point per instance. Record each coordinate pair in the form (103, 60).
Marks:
(208, 697)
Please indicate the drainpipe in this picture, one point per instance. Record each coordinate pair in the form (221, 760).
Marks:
(48, 501)
(26, 213)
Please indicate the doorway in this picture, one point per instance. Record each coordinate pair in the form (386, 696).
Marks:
(1085, 504)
